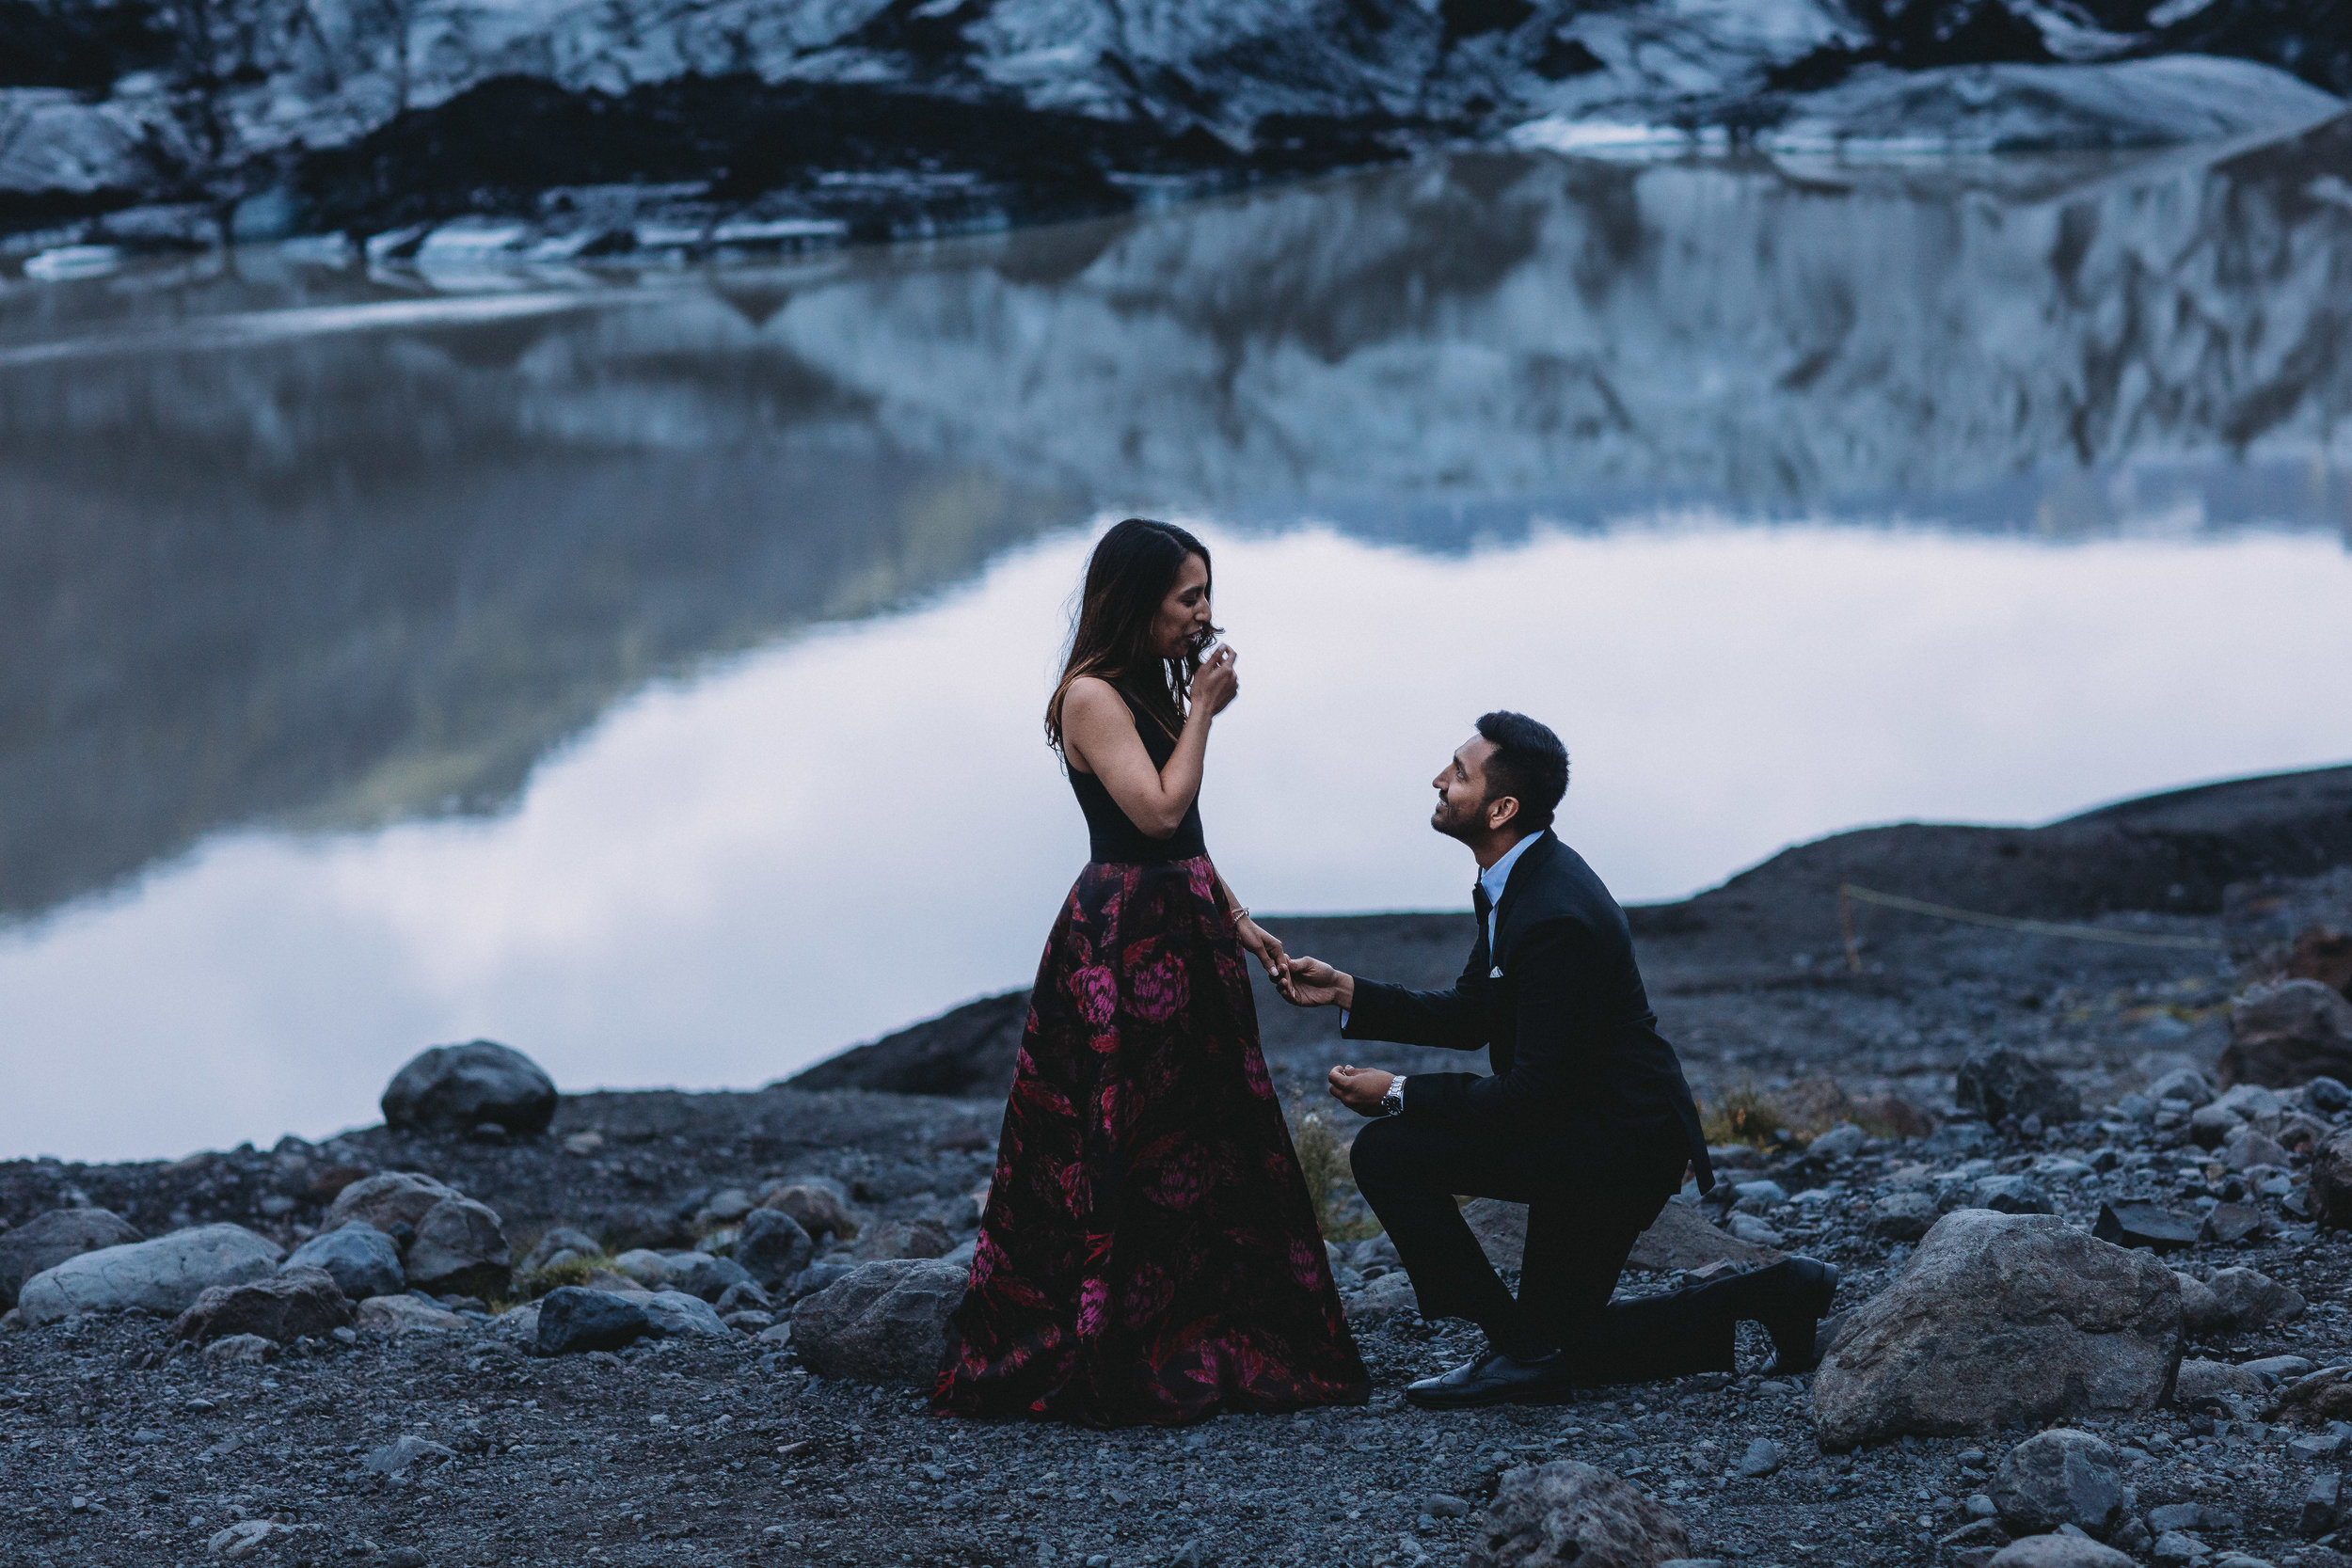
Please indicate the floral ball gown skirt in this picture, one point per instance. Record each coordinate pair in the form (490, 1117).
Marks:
(1148, 1254)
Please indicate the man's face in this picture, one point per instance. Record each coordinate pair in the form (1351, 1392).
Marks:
(1461, 784)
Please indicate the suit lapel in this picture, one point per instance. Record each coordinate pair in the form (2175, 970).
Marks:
(1523, 871)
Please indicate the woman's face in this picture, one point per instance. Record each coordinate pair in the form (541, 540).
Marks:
(1181, 627)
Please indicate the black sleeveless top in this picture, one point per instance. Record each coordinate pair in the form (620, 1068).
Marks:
(1112, 836)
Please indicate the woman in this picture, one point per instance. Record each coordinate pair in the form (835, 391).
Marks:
(1148, 1254)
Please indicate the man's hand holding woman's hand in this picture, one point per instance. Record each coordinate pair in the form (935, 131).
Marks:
(1312, 983)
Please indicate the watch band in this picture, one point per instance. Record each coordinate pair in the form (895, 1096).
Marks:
(1393, 1103)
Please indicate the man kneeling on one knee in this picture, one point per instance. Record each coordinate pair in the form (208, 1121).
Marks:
(1585, 1119)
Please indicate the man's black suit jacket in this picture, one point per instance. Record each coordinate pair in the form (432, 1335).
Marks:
(1585, 1091)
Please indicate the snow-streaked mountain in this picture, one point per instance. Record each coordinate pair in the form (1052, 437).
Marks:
(270, 115)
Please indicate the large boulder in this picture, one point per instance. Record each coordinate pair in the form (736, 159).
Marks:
(163, 1276)
(2250, 1299)
(2059, 1551)
(2289, 1034)
(572, 1320)
(286, 1307)
(880, 1323)
(2328, 1200)
(2000, 1319)
(2059, 1477)
(2005, 1083)
(771, 1246)
(459, 1250)
(455, 1088)
(48, 1240)
(1567, 1511)
(362, 1260)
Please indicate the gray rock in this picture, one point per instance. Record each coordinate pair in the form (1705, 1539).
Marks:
(2322, 1506)
(572, 1320)
(2227, 1223)
(2005, 1083)
(241, 1349)
(48, 1240)
(394, 1316)
(1387, 1299)
(771, 1246)
(2249, 1300)
(1902, 1216)
(400, 1453)
(2201, 1310)
(459, 1250)
(1550, 1516)
(1754, 1232)
(2327, 1096)
(2247, 1148)
(386, 1199)
(742, 1296)
(1763, 1458)
(1759, 1198)
(2182, 1084)
(675, 1315)
(1445, 1505)
(749, 1320)
(2059, 1477)
(2058, 1551)
(2000, 1318)
(1841, 1142)
(921, 1238)
(2210, 1126)
(561, 1239)
(2289, 1034)
(729, 1206)
(164, 1276)
(882, 1323)
(821, 1274)
(2173, 1516)
(361, 1261)
(2203, 1384)
(284, 1306)
(2012, 1195)
(2276, 1368)
(698, 1274)
(2328, 1199)
(454, 1088)
(647, 1267)
(2145, 1224)
(817, 1206)
(2177, 1546)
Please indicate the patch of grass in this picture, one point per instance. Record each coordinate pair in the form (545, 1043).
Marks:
(1745, 1116)
(572, 1271)
(1330, 1186)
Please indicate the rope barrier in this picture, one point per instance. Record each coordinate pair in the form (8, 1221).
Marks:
(1849, 895)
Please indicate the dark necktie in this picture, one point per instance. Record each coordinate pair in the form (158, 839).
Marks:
(1484, 905)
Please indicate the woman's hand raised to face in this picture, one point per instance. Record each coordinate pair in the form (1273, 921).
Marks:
(1215, 684)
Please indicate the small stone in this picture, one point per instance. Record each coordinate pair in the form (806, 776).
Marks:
(920, 1238)
(1902, 1216)
(47, 1239)
(1748, 1229)
(745, 1296)
(2289, 1034)
(1841, 1142)
(561, 1239)
(749, 1320)
(771, 1246)
(883, 1322)
(2227, 1223)
(2245, 1148)
(673, 1314)
(2059, 1477)
(1445, 1505)
(241, 1348)
(816, 1205)
(397, 1456)
(1755, 1197)
(646, 1266)
(1763, 1458)
(2185, 1085)
(699, 1274)
(2327, 1096)
(1567, 1511)
(2252, 1300)
(2201, 1310)
(2322, 1505)
(2006, 1082)
(404, 1557)
(2012, 1195)
(459, 1249)
(2314, 1448)
(2175, 1549)
(394, 1316)
(779, 1336)
(2145, 1224)
(2204, 1384)
(242, 1539)
(729, 1205)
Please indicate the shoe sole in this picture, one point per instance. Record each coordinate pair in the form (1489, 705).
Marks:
(1500, 1396)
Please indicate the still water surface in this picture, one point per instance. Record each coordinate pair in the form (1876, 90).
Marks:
(644, 668)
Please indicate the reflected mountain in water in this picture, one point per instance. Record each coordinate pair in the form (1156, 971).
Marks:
(296, 545)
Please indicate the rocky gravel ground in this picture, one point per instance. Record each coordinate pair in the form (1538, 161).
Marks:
(281, 1419)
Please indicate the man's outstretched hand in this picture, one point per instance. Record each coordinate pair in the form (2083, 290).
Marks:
(1359, 1088)
(1312, 983)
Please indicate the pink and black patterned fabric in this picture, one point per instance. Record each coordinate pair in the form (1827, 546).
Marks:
(1148, 1255)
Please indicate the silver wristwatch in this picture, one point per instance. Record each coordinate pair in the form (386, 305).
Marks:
(1393, 1103)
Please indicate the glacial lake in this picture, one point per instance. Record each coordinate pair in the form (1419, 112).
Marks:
(642, 665)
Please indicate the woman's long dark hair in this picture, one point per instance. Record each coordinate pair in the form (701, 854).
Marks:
(1127, 579)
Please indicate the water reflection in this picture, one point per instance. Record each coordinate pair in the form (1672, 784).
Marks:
(285, 546)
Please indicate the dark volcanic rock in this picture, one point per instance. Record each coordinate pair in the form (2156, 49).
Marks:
(455, 1088)
(47, 1239)
(459, 1250)
(968, 1052)
(2059, 1477)
(285, 1307)
(362, 1260)
(572, 1320)
(2005, 1083)
(2289, 1034)
(771, 1246)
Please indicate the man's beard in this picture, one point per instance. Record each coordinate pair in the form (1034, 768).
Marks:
(1444, 821)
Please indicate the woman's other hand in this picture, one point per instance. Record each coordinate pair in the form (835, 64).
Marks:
(1215, 685)
(1263, 943)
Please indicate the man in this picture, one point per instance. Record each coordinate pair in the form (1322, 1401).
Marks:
(1586, 1119)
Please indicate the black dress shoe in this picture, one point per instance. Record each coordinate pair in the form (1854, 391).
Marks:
(1494, 1378)
(1799, 1297)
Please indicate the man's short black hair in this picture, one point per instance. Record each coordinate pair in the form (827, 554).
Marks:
(1529, 764)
